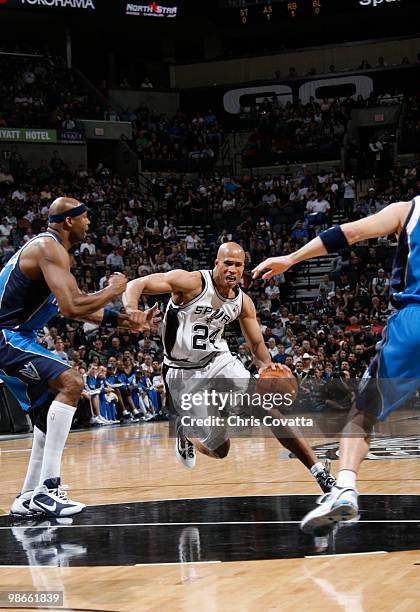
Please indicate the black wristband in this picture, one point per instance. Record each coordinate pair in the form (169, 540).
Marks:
(334, 239)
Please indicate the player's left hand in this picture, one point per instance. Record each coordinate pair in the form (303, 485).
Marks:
(273, 367)
(271, 267)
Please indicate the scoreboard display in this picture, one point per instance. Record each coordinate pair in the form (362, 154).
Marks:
(277, 11)
(271, 11)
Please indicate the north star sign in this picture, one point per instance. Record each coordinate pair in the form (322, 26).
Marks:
(151, 10)
(74, 4)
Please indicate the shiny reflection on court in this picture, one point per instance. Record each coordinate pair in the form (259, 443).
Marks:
(205, 530)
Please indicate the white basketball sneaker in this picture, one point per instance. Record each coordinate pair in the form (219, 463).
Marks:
(20, 506)
(52, 499)
(335, 507)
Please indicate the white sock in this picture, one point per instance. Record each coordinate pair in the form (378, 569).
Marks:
(346, 479)
(35, 462)
(59, 419)
(317, 468)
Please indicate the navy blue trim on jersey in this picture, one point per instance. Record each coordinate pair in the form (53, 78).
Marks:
(25, 304)
(54, 234)
(399, 267)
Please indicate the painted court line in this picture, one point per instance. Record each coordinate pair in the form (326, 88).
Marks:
(26, 566)
(164, 499)
(175, 563)
(373, 552)
(197, 523)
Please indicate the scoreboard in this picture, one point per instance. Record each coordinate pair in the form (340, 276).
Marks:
(271, 11)
(277, 11)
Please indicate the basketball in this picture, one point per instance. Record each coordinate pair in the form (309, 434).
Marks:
(280, 380)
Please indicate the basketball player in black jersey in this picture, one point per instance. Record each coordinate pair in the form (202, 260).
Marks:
(36, 284)
(201, 304)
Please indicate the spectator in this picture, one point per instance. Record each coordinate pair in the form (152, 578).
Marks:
(380, 284)
(59, 349)
(146, 84)
(88, 246)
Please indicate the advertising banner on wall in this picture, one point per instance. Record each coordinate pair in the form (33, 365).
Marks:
(163, 9)
(71, 136)
(41, 135)
(27, 135)
(228, 100)
(80, 5)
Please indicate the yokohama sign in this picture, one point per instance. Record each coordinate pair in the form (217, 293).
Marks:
(57, 4)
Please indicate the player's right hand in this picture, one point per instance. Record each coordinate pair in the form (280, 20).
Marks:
(118, 282)
(145, 320)
(271, 267)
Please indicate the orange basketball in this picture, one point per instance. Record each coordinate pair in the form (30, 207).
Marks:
(280, 380)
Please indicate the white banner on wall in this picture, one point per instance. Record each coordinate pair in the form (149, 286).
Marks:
(235, 98)
(327, 88)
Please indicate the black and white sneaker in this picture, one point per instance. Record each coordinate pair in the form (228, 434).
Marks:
(20, 507)
(52, 499)
(325, 479)
(184, 449)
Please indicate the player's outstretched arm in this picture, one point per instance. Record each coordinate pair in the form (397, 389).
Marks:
(253, 336)
(54, 263)
(147, 320)
(390, 220)
(175, 281)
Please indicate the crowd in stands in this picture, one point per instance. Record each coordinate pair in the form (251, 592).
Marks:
(177, 143)
(333, 335)
(295, 132)
(365, 64)
(41, 92)
(410, 133)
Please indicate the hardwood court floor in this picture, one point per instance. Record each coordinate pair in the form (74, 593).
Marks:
(137, 463)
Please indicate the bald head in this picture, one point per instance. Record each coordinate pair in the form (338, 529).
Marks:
(230, 264)
(71, 228)
(230, 249)
(61, 205)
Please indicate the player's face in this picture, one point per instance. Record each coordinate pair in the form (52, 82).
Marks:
(230, 270)
(79, 228)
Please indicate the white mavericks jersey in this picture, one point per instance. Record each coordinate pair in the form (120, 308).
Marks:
(193, 332)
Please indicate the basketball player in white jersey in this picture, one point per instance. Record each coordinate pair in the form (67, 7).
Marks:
(201, 304)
